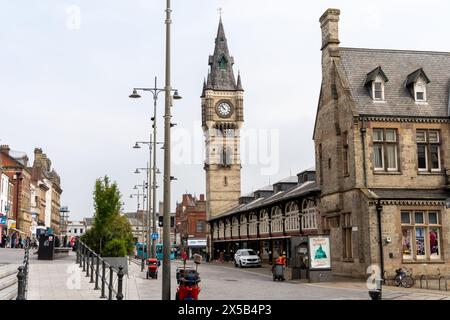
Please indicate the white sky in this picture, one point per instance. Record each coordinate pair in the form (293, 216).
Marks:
(66, 90)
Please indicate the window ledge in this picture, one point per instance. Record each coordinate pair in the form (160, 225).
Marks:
(433, 173)
(387, 172)
(423, 262)
(378, 101)
(348, 260)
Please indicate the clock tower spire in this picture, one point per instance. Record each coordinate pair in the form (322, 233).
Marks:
(222, 120)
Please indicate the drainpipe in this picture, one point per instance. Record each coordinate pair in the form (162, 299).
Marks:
(379, 208)
(363, 142)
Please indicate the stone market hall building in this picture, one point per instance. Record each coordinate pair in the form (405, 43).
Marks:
(271, 220)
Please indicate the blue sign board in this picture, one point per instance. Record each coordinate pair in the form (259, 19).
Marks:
(3, 220)
(155, 236)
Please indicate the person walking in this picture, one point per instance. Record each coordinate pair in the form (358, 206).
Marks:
(13, 241)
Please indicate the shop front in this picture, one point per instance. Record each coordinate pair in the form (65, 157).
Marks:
(197, 246)
(3, 230)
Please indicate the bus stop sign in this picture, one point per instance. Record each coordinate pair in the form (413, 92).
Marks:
(155, 236)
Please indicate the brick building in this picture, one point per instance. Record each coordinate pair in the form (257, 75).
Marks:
(382, 148)
(190, 217)
(48, 189)
(14, 165)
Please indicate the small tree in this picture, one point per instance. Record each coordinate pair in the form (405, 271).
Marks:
(109, 225)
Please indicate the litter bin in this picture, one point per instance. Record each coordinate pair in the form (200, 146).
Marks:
(46, 244)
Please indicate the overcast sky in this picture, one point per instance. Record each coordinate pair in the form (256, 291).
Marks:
(65, 79)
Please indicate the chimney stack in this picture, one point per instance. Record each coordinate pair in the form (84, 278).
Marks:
(202, 197)
(329, 23)
(5, 148)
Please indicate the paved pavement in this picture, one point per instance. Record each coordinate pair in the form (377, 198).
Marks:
(63, 279)
(59, 279)
(224, 282)
(11, 256)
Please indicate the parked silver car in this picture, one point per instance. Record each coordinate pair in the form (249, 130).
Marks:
(246, 258)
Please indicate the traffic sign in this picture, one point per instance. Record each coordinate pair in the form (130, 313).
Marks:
(155, 236)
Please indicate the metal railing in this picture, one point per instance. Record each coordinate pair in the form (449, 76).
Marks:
(22, 275)
(106, 278)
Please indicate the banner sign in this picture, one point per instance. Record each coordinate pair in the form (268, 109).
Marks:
(196, 242)
(11, 224)
(319, 252)
(3, 220)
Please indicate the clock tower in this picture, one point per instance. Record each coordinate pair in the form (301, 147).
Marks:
(222, 119)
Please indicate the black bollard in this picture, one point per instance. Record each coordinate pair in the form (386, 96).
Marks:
(21, 282)
(142, 264)
(110, 286)
(96, 273)
(84, 258)
(120, 275)
(88, 255)
(103, 279)
(92, 267)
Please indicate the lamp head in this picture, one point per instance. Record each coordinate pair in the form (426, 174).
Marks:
(137, 171)
(137, 146)
(135, 95)
(176, 96)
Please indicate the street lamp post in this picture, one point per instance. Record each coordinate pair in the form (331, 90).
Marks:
(151, 182)
(144, 196)
(167, 177)
(138, 195)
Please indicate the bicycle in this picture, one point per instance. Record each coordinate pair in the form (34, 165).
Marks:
(403, 278)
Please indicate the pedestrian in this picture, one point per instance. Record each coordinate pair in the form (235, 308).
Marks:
(13, 241)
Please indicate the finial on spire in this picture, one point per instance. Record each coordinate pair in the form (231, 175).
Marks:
(239, 82)
(220, 10)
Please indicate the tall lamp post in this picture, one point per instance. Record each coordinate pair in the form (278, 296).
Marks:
(138, 195)
(151, 244)
(167, 177)
(144, 196)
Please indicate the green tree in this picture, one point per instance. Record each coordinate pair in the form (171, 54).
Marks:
(111, 233)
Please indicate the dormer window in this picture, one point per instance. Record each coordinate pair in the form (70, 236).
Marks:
(375, 82)
(420, 91)
(378, 91)
(416, 83)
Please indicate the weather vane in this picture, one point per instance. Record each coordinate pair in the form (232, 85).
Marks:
(220, 11)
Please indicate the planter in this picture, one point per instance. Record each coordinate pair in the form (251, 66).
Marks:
(115, 262)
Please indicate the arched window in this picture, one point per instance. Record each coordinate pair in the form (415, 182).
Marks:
(253, 228)
(243, 224)
(226, 156)
(221, 229)
(292, 217)
(235, 231)
(227, 228)
(309, 215)
(277, 220)
(264, 222)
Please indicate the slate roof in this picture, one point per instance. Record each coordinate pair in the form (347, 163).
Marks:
(290, 179)
(412, 194)
(221, 76)
(305, 188)
(269, 187)
(398, 65)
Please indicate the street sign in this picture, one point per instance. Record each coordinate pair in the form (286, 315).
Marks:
(155, 236)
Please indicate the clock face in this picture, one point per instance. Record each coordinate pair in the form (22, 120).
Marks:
(224, 109)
